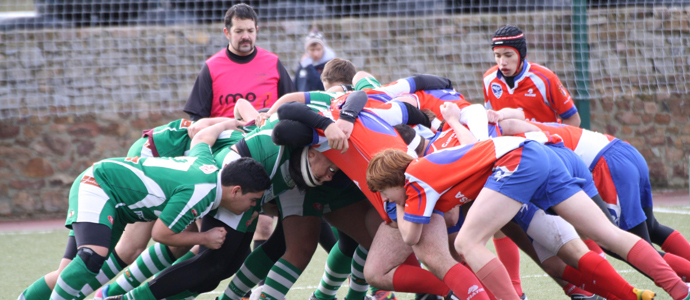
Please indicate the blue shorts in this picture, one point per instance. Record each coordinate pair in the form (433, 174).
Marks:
(622, 176)
(533, 173)
(576, 167)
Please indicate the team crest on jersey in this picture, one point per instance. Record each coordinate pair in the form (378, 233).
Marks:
(318, 206)
(497, 90)
(194, 212)
(530, 93)
(208, 169)
(110, 218)
(562, 89)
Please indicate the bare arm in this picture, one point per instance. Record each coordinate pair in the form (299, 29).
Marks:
(203, 123)
(515, 126)
(212, 239)
(210, 134)
(245, 111)
(411, 232)
(574, 120)
(451, 113)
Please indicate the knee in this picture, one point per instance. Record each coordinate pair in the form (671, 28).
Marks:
(91, 259)
(372, 274)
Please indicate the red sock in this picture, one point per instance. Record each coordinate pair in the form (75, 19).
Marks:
(464, 283)
(677, 244)
(602, 276)
(495, 277)
(594, 247)
(679, 265)
(414, 279)
(411, 260)
(646, 259)
(571, 289)
(509, 254)
(575, 277)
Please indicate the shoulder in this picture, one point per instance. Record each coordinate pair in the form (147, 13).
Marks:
(265, 53)
(542, 70)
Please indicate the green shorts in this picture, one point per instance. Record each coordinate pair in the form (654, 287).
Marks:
(317, 201)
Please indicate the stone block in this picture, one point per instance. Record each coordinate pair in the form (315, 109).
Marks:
(628, 118)
(650, 108)
(88, 129)
(662, 119)
(24, 202)
(37, 167)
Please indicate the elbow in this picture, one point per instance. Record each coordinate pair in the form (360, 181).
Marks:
(411, 239)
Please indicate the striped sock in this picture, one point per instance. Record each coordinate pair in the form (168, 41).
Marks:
(358, 286)
(255, 268)
(337, 271)
(111, 267)
(151, 261)
(72, 280)
(280, 279)
(37, 290)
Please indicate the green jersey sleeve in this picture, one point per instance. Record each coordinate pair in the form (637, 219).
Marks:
(188, 204)
(367, 83)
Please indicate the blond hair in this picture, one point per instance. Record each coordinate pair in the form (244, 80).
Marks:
(387, 169)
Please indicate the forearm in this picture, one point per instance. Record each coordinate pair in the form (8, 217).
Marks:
(210, 134)
(411, 232)
(291, 97)
(574, 120)
(512, 113)
(463, 135)
(164, 235)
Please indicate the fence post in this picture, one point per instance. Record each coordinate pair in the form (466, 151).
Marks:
(581, 56)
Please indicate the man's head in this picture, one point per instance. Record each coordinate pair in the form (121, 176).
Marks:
(244, 182)
(315, 45)
(386, 174)
(310, 168)
(336, 72)
(510, 49)
(240, 29)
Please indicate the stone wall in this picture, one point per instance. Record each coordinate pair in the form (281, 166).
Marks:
(70, 97)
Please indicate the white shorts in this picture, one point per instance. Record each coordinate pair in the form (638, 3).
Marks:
(549, 233)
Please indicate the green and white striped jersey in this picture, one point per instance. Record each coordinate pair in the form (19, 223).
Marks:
(274, 158)
(176, 190)
(172, 139)
(319, 100)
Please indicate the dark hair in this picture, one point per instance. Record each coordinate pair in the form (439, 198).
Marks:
(246, 172)
(407, 133)
(241, 11)
(295, 169)
(338, 70)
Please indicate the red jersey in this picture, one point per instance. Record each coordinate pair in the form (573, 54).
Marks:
(464, 171)
(537, 92)
(585, 143)
(433, 99)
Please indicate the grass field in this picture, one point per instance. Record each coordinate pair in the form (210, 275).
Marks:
(29, 255)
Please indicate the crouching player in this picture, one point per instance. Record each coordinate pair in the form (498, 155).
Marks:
(172, 191)
(543, 180)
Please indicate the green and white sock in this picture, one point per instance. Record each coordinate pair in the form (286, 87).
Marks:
(280, 279)
(142, 292)
(39, 290)
(72, 280)
(358, 286)
(109, 270)
(150, 262)
(254, 269)
(336, 272)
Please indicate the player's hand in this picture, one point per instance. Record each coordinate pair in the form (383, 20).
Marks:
(337, 139)
(215, 237)
(261, 118)
(345, 126)
(494, 116)
(450, 111)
